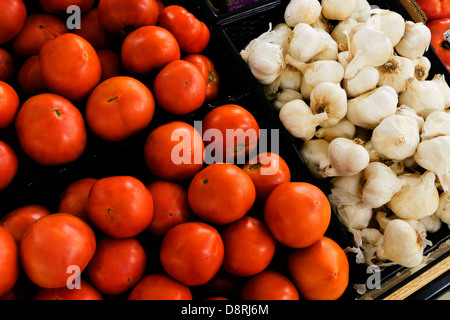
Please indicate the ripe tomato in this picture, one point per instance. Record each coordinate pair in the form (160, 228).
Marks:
(29, 77)
(160, 287)
(192, 253)
(440, 37)
(12, 17)
(74, 198)
(85, 292)
(249, 247)
(118, 264)
(267, 171)
(37, 30)
(174, 151)
(9, 164)
(269, 285)
(92, 30)
(170, 206)
(6, 65)
(320, 271)
(123, 103)
(192, 34)
(209, 71)
(120, 206)
(221, 193)
(51, 129)
(180, 87)
(70, 66)
(237, 128)
(9, 261)
(122, 17)
(9, 104)
(52, 244)
(136, 46)
(17, 221)
(60, 6)
(111, 65)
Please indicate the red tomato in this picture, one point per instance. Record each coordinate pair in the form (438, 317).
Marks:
(249, 247)
(160, 4)
(85, 292)
(297, 214)
(9, 261)
(111, 65)
(320, 271)
(9, 104)
(180, 87)
(29, 77)
(267, 171)
(52, 244)
(136, 46)
(209, 71)
(192, 253)
(236, 131)
(51, 129)
(221, 193)
(269, 285)
(9, 164)
(12, 17)
(170, 206)
(17, 221)
(160, 287)
(6, 65)
(92, 30)
(174, 151)
(435, 9)
(37, 30)
(123, 103)
(118, 264)
(440, 38)
(192, 34)
(70, 66)
(120, 206)
(74, 198)
(122, 17)
(60, 6)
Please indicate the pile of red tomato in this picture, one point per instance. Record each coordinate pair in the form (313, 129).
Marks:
(197, 230)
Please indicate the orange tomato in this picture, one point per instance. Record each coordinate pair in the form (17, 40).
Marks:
(269, 285)
(12, 17)
(85, 292)
(9, 164)
(160, 287)
(9, 261)
(74, 198)
(92, 30)
(29, 77)
(9, 104)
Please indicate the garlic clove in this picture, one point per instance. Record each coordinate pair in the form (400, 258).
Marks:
(409, 112)
(396, 72)
(439, 79)
(323, 24)
(337, 9)
(437, 124)
(350, 184)
(331, 48)
(366, 80)
(362, 11)
(314, 153)
(390, 22)
(344, 128)
(415, 41)
(302, 11)
(305, 42)
(284, 96)
(422, 66)
(329, 97)
(432, 223)
(340, 32)
(266, 62)
(443, 211)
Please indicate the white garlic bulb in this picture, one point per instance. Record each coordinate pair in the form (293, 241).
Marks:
(390, 22)
(344, 58)
(329, 97)
(284, 96)
(315, 154)
(302, 11)
(362, 11)
(422, 66)
(436, 124)
(350, 184)
(432, 223)
(289, 78)
(443, 212)
(409, 112)
(415, 41)
(366, 80)
(343, 128)
(340, 32)
(337, 9)
(367, 110)
(305, 42)
(331, 48)
(266, 62)
(281, 32)
(396, 72)
(439, 79)
(299, 120)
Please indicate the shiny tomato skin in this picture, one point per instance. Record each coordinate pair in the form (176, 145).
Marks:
(192, 253)
(12, 17)
(221, 193)
(52, 244)
(118, 264)
(51, 130)
(136, 46)
(320, 271)
(29, 77)
(269, 285)
(9, 261)
(208, 69)
(162, 151)
(85, 292)
(6, 65)
(267, 171)
(92, 30)
(60, 6)
(249, 247)
(120, 206)
(159, 287)
(17, 221)
(123, 103)
(70, 66)
(111, 64)
(9, 165)
(9, 104)
(297, 214)
(192, 34)
(73, 200)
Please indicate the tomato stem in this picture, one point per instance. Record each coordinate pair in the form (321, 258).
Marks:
(446, 42)
(57, 112)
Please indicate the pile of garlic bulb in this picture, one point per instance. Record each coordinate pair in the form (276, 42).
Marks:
(352, 83)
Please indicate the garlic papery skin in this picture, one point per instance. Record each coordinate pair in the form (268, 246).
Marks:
(323, 24)
(340, 32)
(305, 42)
(432, 223)
(282, 32)
(422, 66)
(362, 11)
(366, 80)
(409, 112)
(437, 124)
(347, 157)
(439, 79)
(270, 36)
(329, 97)
(331, 48)
(266, 62)
(337, 9)
(380, 184)
(299, 120)
(343, 128)
(416, 199)
(315, 154)
(415, 41)
(302, 11)
(434, 155)
(367, 110)
(350, 184)
(344, 58)
(395, 73)
(390, 22)
(402, 244)
(285, 96)
(422, 96)
(396, 137)
(290, 78)
(443, 212)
